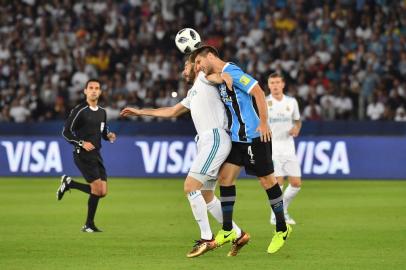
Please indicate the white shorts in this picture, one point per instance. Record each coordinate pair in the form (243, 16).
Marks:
(286, 166)
(213, 148)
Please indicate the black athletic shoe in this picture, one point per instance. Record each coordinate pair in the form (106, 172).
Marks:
(65, 181)
(90, 229)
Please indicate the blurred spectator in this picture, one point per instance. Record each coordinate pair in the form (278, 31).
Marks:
(343, 106)
(18, 111)
(49, 49)
(312, 111)
(375, 109)
(400, 115)
(328, 105)
(112, 111)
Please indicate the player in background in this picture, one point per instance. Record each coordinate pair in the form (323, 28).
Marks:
(284, 119)
(213, 147)
(251, 141)
(84, 128)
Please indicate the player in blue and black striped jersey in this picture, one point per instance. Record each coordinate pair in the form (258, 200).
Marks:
(251, 143)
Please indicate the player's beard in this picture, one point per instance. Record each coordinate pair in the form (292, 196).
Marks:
(191, 77)
(209, 70)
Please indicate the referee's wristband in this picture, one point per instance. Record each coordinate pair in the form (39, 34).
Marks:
(80, 143)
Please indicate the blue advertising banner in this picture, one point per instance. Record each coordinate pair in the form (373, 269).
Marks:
(137, 156)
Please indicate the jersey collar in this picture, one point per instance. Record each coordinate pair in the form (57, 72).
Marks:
(225, 66)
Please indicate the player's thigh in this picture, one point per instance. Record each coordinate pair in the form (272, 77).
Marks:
(213, 148)
(218, 157)
(279, 172)
(279, 164)
(258, 159)
(292, 168)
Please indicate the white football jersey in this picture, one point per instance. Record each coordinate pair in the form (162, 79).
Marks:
(281, 115)
(205, 105)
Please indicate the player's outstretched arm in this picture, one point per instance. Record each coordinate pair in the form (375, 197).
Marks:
(165, 112)
(263, 127)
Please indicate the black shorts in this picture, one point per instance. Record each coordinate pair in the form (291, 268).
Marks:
(256, 157)
(90, 164)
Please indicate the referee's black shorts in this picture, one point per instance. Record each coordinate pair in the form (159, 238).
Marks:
(90, 164)
(256, 157)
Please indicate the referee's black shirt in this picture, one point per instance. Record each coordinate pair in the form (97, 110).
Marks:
(86, 124)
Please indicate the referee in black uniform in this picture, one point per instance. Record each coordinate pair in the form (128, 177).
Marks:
(84, 128)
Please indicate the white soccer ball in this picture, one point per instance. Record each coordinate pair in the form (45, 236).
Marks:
(187, 40)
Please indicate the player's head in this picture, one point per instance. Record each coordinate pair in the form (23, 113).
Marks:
(189, 73)
(93, 89)
(276, 83)
(204, 58)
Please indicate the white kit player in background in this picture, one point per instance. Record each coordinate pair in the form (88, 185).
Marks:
(284, 119)
(213, 146)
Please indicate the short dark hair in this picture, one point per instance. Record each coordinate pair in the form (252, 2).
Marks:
(276, 75)
(203, 50)
(92, 80)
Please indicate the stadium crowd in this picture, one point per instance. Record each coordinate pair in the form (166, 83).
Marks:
(343, 59)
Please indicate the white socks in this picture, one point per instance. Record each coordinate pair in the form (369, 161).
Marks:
(214, 208)
(199, 209)
(288, 195)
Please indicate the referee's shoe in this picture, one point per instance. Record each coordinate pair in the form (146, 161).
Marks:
(90, 228)
(65, 181)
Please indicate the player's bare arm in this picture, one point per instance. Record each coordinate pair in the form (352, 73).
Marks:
(165, 112)
(219, 78)
(263, 127)
(294, 132)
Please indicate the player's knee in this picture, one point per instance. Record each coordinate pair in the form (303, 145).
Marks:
(208, 195)
(224, 180)
(187, 188)
(103, 193)
(267, 181)
(97, 192)
(296, 182)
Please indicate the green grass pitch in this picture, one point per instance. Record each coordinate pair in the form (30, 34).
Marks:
(148, 225)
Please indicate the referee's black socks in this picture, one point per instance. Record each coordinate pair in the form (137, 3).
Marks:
(91, 208)
(82, 187)
(275, 197)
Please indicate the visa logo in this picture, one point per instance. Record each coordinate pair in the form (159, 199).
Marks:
(33, 157)
(323, 157)
(167, 157)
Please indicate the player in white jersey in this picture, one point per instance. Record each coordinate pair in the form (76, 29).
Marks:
(284, 119)
(213, 146)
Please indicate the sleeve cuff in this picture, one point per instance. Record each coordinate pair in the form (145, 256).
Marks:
(252, 86)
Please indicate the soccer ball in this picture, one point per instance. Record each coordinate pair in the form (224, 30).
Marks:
(187, 40)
